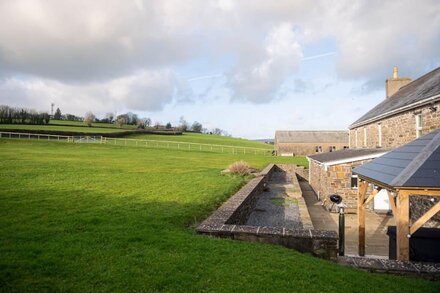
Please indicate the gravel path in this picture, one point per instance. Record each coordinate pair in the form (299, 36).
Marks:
(275, 208)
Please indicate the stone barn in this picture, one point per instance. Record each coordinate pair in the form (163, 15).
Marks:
(303, 143)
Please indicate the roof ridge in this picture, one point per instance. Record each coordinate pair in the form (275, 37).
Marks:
(417, 162)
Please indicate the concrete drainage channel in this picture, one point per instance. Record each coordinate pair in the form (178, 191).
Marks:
(270, 209)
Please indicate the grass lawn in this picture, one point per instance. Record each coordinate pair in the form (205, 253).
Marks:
(78, 217)
(204, 138)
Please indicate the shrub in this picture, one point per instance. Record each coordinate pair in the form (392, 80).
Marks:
(240, 168)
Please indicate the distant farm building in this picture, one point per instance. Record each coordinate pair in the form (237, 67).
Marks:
(303, 143)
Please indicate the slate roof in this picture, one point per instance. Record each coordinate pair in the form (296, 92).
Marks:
(413, 165)
(416, 91)
(347, 154)
(319, 136)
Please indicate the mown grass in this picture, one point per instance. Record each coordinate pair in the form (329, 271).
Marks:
(78, 217)
(204, 138)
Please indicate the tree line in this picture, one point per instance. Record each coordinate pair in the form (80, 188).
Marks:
(15, 115)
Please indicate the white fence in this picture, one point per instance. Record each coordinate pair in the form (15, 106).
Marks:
(163, 144)
(189, 146)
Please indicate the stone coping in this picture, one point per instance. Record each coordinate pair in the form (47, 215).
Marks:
(230, 218)
(392, 266)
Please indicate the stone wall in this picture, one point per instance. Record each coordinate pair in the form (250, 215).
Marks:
(295, 169)
(228, 220)
(396, 130)
(336, 179)
(305, 149)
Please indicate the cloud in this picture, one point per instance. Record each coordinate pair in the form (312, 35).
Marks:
(258, 81)
(137, 48)
(143, 91)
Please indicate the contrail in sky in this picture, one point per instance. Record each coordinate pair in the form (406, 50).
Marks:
(220, 75)
(318, 56)
(205, 77)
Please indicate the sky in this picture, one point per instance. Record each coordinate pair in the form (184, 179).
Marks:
(248, 67)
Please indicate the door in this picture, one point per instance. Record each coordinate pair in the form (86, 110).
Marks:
(381, 201)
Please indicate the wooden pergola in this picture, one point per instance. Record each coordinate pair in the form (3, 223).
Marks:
(413, 169)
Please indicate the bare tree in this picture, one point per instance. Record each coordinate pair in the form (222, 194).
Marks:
(121, 121)
(89, 118)
(183, 124)
(217, 131)
(147, 122)
(196, 127)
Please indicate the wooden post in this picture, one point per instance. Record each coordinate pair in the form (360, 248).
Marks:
(361, 216)
(402, 223)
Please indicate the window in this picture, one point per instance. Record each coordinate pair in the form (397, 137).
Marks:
(318, 149)
(346, 147)
(379, 132)
(419, 125)
(354, 181)
(332, 148)
(365, 137)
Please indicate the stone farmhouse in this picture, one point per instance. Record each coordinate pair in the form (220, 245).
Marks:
(303, 143)
(410, 110)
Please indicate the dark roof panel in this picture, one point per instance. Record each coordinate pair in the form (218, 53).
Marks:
(311, 136)
(416, 164)
(345, 154)
(418, 90)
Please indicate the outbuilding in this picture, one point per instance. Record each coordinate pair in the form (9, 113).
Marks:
(331, 173)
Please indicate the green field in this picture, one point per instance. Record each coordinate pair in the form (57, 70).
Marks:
(49, 127)
(90, 217)
(205, 139)
(94, 124)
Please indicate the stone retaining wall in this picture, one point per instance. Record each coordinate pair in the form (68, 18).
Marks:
(228, 220)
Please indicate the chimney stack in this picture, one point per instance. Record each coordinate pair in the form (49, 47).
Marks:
(395, 83)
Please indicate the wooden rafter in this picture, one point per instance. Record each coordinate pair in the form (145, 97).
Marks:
(371, 196)
(392, 203)
(430, 192)
(423, 219)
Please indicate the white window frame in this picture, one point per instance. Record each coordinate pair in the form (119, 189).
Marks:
(379, 131)
(357, 184)
(419, 125)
